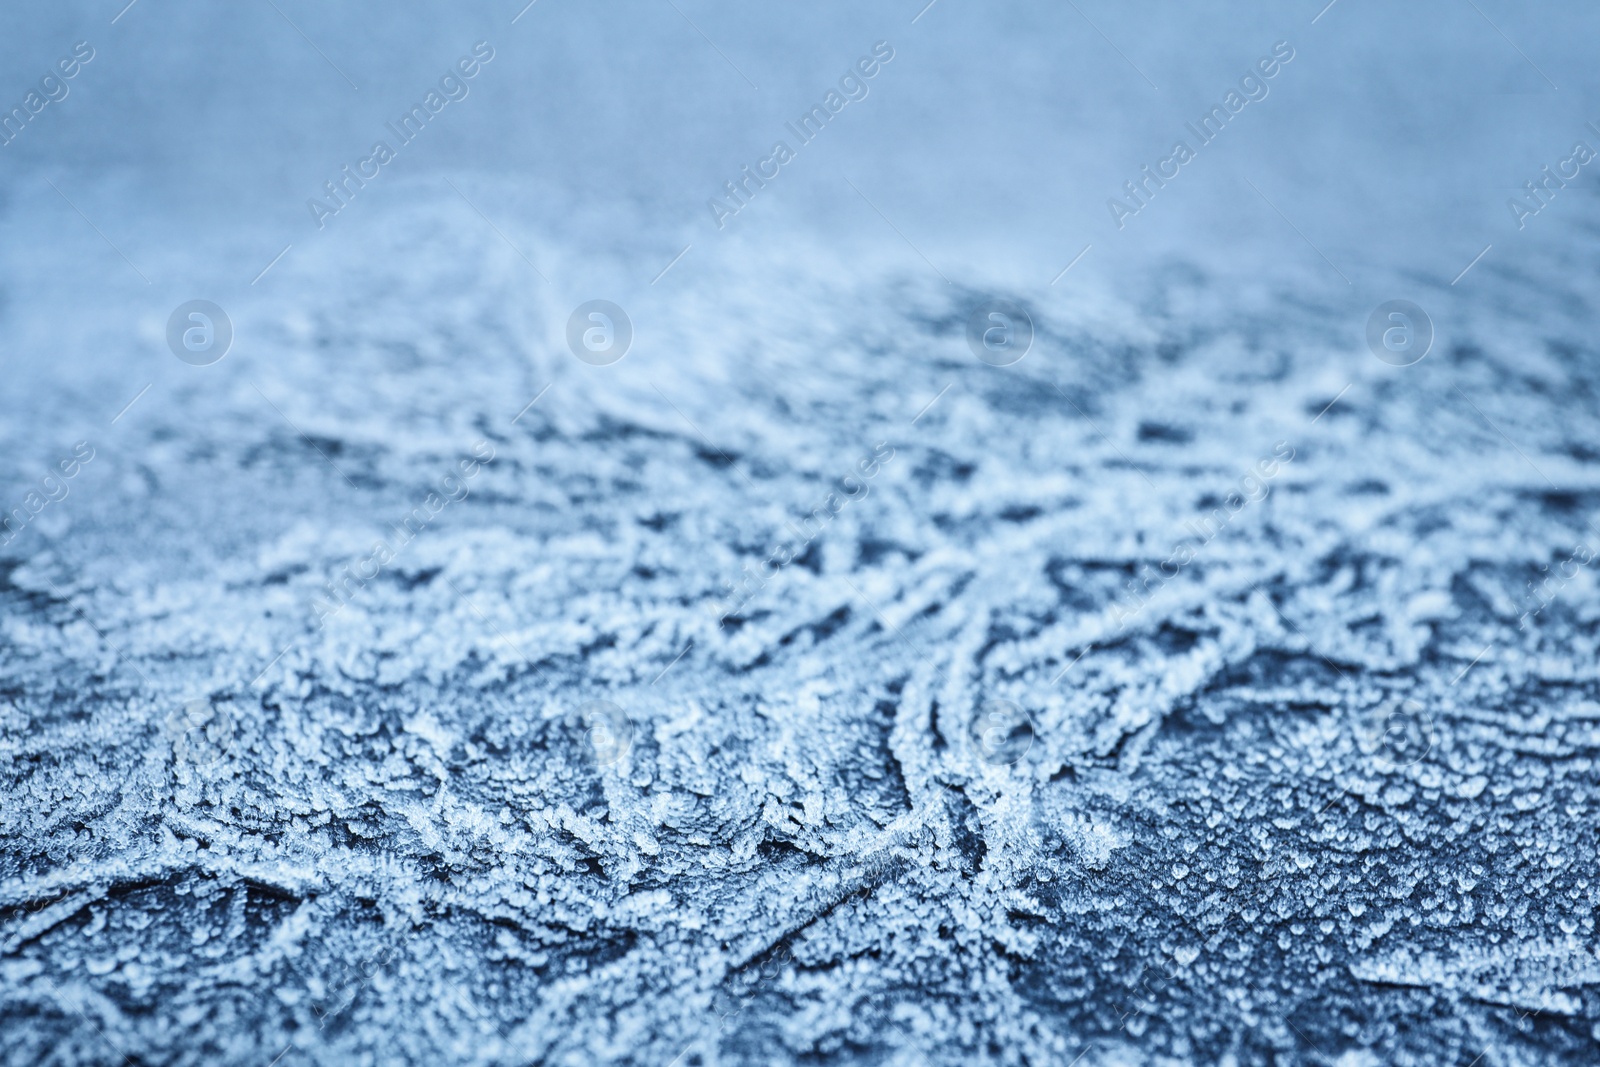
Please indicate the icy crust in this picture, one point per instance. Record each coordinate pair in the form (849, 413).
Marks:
(1326, 794)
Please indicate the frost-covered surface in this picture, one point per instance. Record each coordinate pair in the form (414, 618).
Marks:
(1324, 792)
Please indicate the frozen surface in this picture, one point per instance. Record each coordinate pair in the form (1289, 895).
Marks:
(1042, 744)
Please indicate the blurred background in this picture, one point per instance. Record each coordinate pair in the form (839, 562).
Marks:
(594, 139)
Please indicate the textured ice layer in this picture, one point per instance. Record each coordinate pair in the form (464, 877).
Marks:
(1323, 791)
(1198, 689)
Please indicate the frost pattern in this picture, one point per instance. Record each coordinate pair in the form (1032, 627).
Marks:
(1324, 795)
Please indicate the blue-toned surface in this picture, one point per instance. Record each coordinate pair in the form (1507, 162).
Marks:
(399, 664)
